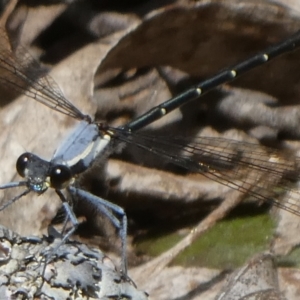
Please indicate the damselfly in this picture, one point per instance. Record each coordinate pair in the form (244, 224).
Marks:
(238, 165)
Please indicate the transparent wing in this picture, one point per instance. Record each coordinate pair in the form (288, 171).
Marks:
(21, 73)
(264, 173)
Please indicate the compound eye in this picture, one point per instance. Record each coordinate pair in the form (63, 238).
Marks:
(60, 176)
(22, 164)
